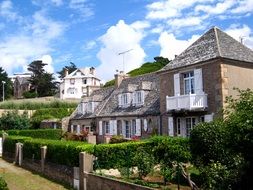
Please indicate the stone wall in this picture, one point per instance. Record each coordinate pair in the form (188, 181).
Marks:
(95, 182)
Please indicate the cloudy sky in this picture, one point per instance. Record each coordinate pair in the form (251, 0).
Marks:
(94, 32)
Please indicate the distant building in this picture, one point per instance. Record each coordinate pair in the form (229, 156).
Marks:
(79, 83)
(21, 83)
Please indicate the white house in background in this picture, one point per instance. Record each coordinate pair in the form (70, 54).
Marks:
(79, 83)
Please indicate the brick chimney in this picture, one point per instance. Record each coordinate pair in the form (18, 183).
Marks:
(119, 77)
(66, 72)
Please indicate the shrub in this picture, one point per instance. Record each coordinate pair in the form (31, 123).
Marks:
(3, 184)
(9, 144)
(54, 134)
(117, 139)
(12, 120)
(29, 94)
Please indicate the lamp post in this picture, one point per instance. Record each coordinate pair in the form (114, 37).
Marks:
(3, 82)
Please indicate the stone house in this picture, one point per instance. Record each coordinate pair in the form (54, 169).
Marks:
(21, 84)
(85, 116)
(130, 108)
(194, 86)
(79, 83)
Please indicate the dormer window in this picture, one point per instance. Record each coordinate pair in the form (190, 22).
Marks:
(84, 81)
(124, 100)
(139, 97)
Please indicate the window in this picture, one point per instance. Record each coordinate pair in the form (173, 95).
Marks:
(127, 125)
(71, 90)
(107, 127)
(133, 127)
(178, 126)
(124, 99)
(72, 81)
(190, 123)
(84, 81)
(189, 83)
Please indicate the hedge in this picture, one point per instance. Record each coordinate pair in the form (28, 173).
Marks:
(3, 184)
(54, 134)
(108, 155)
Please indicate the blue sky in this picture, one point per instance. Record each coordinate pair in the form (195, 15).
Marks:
(93, 32)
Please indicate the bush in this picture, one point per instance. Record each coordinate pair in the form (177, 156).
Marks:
(9, 144)
(117, 139)
(29, 94)
(3, 184)
(54, 134)
(12, 120)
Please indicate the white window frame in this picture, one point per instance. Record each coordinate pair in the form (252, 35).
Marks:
(189, 83)
(124, 99)
(107, 127)
(133, 127)
(85, 81)
(190, 122)
(127, 129)
(72, 81)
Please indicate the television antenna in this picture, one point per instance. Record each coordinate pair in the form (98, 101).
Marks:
(123, 57)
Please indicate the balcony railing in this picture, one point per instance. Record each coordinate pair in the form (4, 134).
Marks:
(187, 102)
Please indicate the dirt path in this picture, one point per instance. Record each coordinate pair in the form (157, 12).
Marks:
(20, 179)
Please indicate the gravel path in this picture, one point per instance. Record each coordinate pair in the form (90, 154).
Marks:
(20, 179)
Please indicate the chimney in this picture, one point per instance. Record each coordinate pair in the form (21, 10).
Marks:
(119, 77)
(92, 70)
(66, 72)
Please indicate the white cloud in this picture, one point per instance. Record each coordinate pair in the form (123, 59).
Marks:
(119, 38)
(89, 45)
(31, 42)
(49, 61)
(219, 8)
(6, 11)
(57, 2)
(184, 22)
(140, 25)
(170, 46)
(243, 33)
(169, 8)
(82, 7)
(243, 7)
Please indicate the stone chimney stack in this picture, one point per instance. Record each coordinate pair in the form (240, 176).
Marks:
(92, 70)
(119, 77)
(66, 72)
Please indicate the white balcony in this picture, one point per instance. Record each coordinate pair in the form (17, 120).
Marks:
(186, 102)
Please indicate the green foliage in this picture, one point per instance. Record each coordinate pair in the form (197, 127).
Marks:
(117, 139)
(53, 134)
(8, 89)
(12, 120)
(148, 67)
(3, 184)
(32, 105)
(50, 113)
(9, 144)
(71, 67)
(223, 149)
(29, 94)
(145, 161)
(42, 82)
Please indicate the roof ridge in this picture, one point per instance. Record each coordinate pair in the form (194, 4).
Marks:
(217, 41)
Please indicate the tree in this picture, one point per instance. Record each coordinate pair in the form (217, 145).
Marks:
(43, 83)
(72, 67)
(13, 120)
(8, 87)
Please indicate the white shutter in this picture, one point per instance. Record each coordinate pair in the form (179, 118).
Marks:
(124, 129)
(183, 127)
(208, 118)
(138, 127)
(145, 125)
(129, 98)
(171, 126)
(71, 128)
(100, 128)
(114, 127)
(142, 97)
(134, 98)
(198, 81)
(78, 129)
(120, 100)
(111, 127)
(176, 84)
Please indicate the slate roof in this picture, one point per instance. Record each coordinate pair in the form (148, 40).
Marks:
(213, 44)
(85, 74)
(100, 95)
(151, 103)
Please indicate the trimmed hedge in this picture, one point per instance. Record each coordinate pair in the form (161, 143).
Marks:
(54, 134)
(108, 155)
